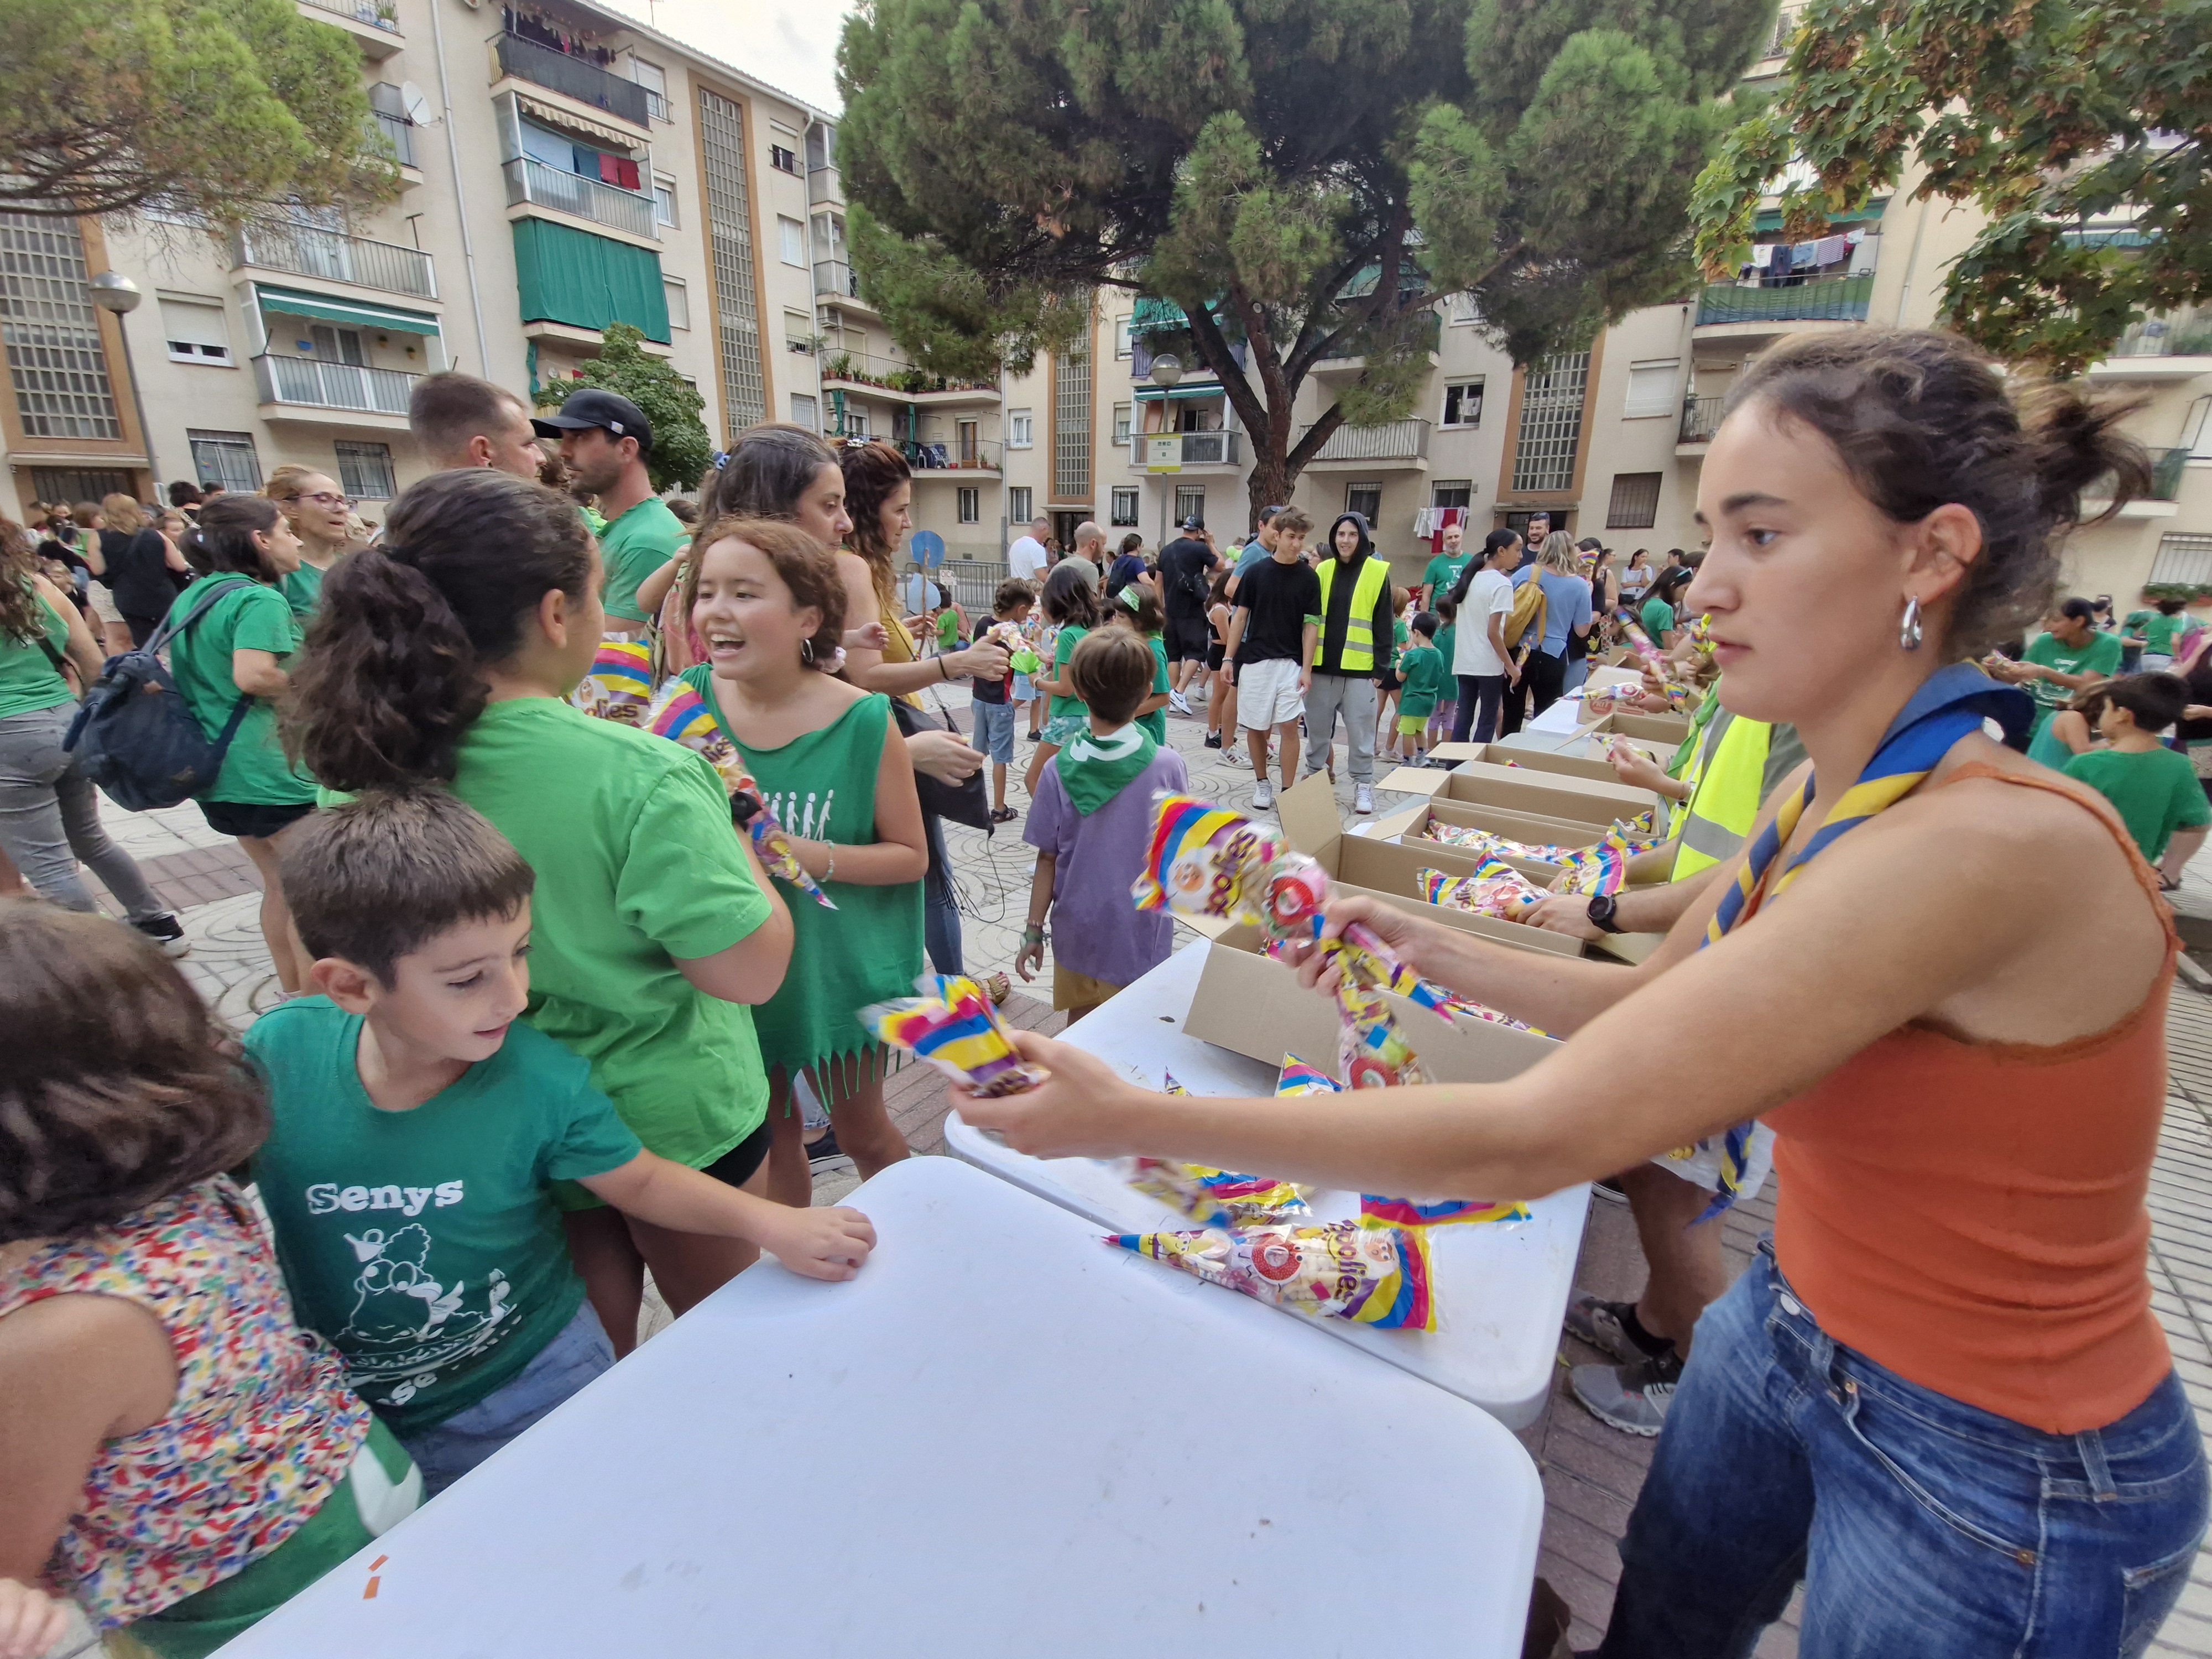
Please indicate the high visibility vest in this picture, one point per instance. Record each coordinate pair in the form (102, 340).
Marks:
(1726, 780)
(1358, 656)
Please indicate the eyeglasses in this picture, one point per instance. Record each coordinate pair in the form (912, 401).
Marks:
(323, 498)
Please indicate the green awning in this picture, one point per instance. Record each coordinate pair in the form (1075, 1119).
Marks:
(570, 276)
(352, 314)
(1147, 394)
(1770, 219)
(2118, 236)
(1156, 314)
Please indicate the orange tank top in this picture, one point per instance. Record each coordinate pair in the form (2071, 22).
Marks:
(1972, 1215)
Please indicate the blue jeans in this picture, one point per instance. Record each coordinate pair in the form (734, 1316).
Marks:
(995, 730)
(1923, 1529)
(445, 1451)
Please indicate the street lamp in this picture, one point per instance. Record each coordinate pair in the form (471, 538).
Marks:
(1167, 372)
(113, 292)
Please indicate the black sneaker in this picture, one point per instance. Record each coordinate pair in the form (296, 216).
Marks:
(166, 931)
(1213, 740)
(825, 1150)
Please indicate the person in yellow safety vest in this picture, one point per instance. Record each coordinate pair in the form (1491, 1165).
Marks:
(1734, 765)
(1358, 610)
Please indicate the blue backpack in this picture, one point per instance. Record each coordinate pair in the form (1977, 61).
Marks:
(134, 738)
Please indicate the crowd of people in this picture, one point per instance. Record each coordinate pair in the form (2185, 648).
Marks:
(549, 1015)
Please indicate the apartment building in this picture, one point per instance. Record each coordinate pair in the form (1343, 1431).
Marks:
(562, 167)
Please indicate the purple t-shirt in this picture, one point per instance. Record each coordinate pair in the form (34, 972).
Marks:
(1096, 928)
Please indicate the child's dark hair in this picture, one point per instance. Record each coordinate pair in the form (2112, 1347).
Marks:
(2156, 701)
(1445, 612)
(1142, 606)
(1425, 623)
(223, 540)
(1069, 598)
(117, 1091)
(1012, 592)
(2171, 606)
(392, 676)
(802, 564)
(1921, 420)
(1112, 671)
(381, 877)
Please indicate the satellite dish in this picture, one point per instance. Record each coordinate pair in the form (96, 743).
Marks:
(928, 549)
(415, 107)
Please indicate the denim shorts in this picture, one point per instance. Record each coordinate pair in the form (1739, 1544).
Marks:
(1023, 691)
(445, 1451)
(995, 730)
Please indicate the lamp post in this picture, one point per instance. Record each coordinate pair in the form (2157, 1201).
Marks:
(116, 294)
(1167, 373)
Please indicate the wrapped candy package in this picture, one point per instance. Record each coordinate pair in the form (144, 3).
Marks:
(1372, 1051)
(619, 685)
(681, 715)
(1376, 1276)
(1215, 1198)
(1300, 1078)
(953, 1026)
(1495, 888)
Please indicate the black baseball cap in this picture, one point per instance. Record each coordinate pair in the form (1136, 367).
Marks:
(1196, 522)
(610, 411)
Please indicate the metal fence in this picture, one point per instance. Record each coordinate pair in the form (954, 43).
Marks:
(545, 67)
(312, 251)
(1817, 298)
(360, 11)
(529, 179)
(1397, 440)
(1701, 418)
(313, 384)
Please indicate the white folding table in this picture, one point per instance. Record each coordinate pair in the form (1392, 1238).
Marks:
(1501, 1289)
(1004, 1439)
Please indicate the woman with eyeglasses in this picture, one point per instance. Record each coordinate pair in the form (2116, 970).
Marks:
(318, 512)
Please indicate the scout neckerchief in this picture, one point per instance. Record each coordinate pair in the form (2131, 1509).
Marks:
(1952, 702)
(1093, 770)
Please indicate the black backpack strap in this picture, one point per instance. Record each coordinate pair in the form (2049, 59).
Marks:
(230, 729)
(167, 631)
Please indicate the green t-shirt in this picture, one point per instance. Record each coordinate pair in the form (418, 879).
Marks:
(303, 589)
(1156, 721)
(2155, 793)
(248, 617)
(948, 630)
(2100, 655)
(1422, 669)
(632, 548)
(1064, 648)
(1442, 574)
(1658, 616)
(637, 865)
(1400, 631)
(425, 1245)
(28, 678)
(2157, 630)
(1447, 643)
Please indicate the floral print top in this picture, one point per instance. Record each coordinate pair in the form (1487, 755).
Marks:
(262, 1429)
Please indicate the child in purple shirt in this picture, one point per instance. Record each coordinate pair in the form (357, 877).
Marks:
(1090, 821)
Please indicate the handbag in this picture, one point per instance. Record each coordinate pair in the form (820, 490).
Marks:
(961, 803)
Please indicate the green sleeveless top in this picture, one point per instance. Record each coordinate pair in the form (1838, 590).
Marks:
(822, 786)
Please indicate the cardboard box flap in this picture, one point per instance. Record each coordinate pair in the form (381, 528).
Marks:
(1415, 781)
(1307, 812)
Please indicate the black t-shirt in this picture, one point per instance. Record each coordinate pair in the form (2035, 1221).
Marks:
(988, 690)
(1183, 582)
(137, 572)
(1281, 597)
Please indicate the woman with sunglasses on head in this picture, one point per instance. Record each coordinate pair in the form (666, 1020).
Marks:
(1940, 1396)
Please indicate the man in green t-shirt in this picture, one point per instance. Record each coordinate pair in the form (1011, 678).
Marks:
(1443, 573)
(604, 438)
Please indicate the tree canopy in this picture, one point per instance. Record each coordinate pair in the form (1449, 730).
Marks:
(1302, 178)
(218, 109)
(2078, 128)
(680, 450)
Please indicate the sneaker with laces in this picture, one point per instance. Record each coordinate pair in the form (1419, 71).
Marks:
(1213, 740)
(1263, 796)
(1179, 703)
(1233, 756)
(1630, 1398)
(1604, 1325)
(1363, 797)
(166, 931)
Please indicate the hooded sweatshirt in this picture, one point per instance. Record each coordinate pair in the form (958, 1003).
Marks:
(1329, 659)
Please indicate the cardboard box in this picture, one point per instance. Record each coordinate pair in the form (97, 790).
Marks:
(1525, 790)
(1535, 760)
(1412, 823)
(1668, 729)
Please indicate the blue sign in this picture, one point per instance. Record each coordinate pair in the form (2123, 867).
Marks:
(928, 549)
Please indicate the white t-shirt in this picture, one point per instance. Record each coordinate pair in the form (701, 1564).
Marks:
(1490, 594)
(1026, 559)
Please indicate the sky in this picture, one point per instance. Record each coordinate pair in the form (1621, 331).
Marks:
(790, 44)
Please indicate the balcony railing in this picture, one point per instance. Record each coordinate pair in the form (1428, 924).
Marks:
(310, 383)
(2184, 334)
(310, 251)
(824, 187)
(656, 105)
(529, 179)
(1197, 449)
(835, 277)
(866, 368)
(398, 131)
(374, 15)
(544, 67)
(1817, 298)
(983, 455)
(1701, 418)
(2166, 469)
(1399, 441)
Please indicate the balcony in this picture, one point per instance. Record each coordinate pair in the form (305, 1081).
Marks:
(585, 82)
(2161, 500)
(1701, 418)
(310, 251)
(1754, 311)
(2172, 348)
(867, 374)
(1430, 331)
(824, 187)
(983, 455)
(531, 180)
(1398, 444)
(835, 279)
(308, 383)
(373, 23)
(1192, 449)
(398, 131)
(656, 105)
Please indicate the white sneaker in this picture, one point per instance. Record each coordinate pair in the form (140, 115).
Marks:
(1363, 797)
(1179, 703)
(1234, 757)
(1263, 796)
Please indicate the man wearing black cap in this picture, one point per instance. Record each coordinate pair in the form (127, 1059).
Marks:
(604, 438)
(1185, 564)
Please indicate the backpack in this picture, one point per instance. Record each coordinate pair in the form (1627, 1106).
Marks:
(134, 738)
(1527, 612)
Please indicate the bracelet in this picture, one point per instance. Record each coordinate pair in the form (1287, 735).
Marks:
(1032, 935)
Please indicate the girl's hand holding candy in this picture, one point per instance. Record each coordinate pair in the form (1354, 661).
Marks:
(1406, 936)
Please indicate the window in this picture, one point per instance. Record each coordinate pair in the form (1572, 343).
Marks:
(1365, 500)
(226, 458)
(1125, 507)
(1635, 503)
(2196, 430)
(365, 470)
(1452, 492)
(806, 412)
(1463, 403)
(792, 235)
(1190, 501)
(730, 235)
(1121, 416)
(971, 506)
(2183, 558)
(856, 423)
(1460, 310)
(654, 80)
(1551, 422)
(799, 333)
(664, 199)
(1018, 505)
(679, 302)
(782, 160)
(1120, 336)
(1021, 430)
(80, 483)
(196, 332)
(1651, 388)
(1071, 468)
(55, 359)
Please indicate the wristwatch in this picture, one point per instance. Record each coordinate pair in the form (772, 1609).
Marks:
(1600, 914)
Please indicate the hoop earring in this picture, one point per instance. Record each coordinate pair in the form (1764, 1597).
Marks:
(806, 652)
(1908, 632)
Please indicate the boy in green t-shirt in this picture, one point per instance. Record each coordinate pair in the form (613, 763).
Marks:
(2155, 789)
(1421, 671)
(2155, 632)
(416, 1128)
